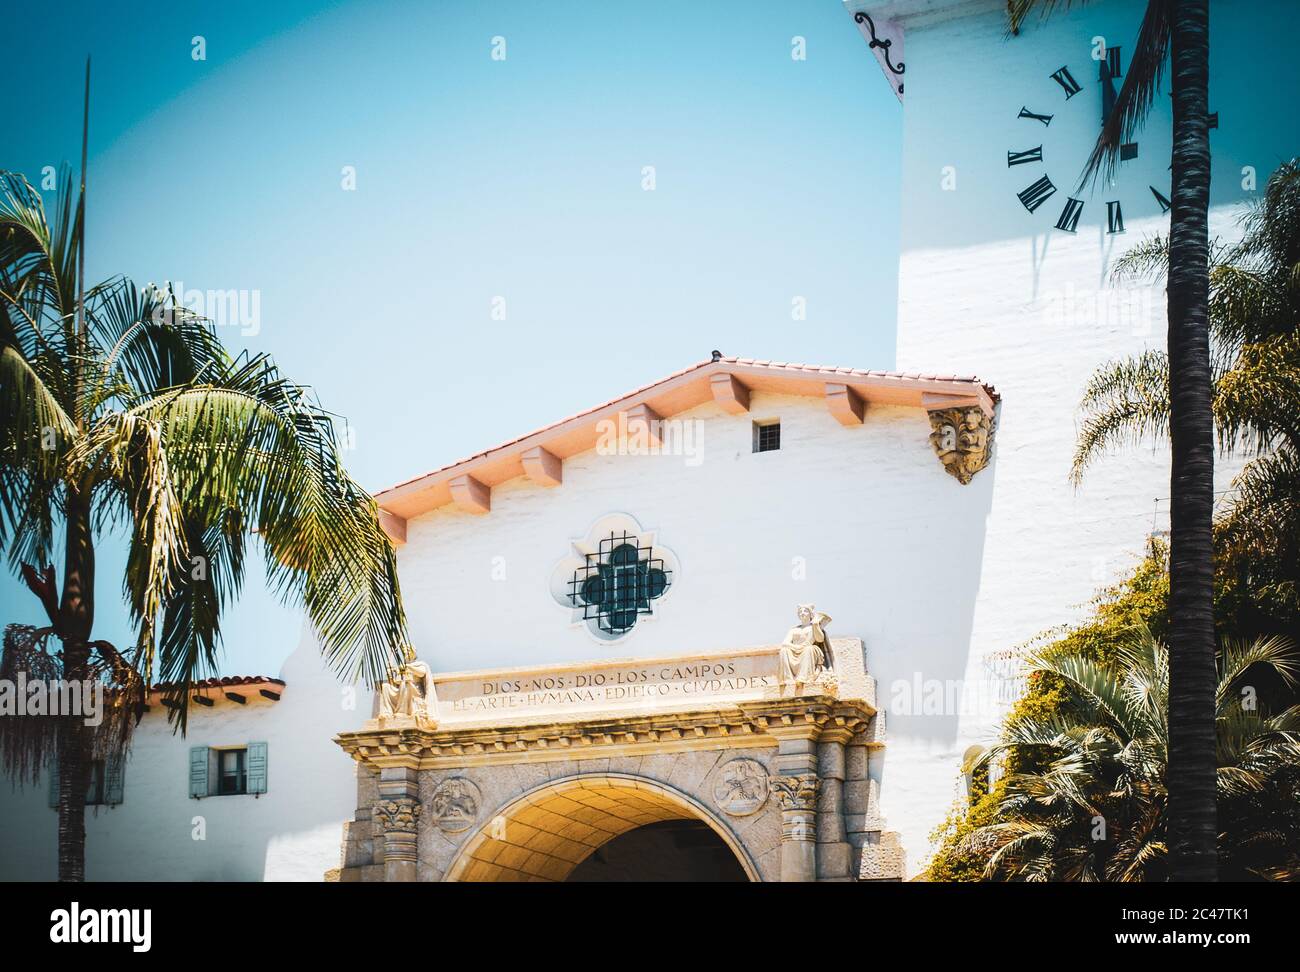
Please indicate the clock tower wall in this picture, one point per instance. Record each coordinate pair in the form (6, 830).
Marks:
(986, 286)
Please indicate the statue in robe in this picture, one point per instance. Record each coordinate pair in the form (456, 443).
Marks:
(408, 693)
(806, 651)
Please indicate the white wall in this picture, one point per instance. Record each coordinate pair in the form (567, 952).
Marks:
(892, 546)
(291, 832)
(987, 288)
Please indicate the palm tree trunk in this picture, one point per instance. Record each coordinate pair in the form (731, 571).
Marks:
(76, 616)
(73, 780)
(1192, 812)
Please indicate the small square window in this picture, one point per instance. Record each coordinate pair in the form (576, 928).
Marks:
(767, 436)
(232, 771)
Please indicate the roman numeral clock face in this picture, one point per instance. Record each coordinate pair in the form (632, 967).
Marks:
(1058, 94)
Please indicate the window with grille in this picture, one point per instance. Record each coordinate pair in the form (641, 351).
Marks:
(228, 770)
(95, 783)
(767, 436)
(232, 771)
(616, 584)
(103, 782)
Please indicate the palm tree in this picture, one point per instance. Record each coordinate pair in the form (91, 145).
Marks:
(1091, 802)
(1254, 317)
(121, 409)
(1178, 30)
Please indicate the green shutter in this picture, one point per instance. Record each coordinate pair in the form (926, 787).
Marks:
(54, 784)
(199, 771)
(114, 779)
(256, 767)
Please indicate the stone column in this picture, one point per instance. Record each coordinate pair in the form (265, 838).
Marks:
(795, 786)
(797, 796)
(398, 815)
(861, 793)
(833, 850)
(877, 853)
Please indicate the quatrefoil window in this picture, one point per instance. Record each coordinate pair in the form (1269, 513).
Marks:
(617, 583)
(614, 577)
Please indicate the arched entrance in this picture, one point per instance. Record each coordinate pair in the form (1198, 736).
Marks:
(553, 831)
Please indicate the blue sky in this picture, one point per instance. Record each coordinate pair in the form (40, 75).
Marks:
(475, 179)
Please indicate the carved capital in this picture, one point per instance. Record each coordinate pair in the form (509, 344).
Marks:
(797, 796)
(398, 816)
(796, 792)
(962, 438)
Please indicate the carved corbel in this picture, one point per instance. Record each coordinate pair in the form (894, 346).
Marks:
(962, 438)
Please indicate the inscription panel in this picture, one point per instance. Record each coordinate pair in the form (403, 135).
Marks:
(640, 684)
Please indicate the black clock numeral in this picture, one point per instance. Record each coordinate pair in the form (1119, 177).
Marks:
(1114, 217)
(1113, 67)
(1028, 155)
(1026, 113)
(1164, 203)
(1069, 220)
(1065, 79)
(1033, 196)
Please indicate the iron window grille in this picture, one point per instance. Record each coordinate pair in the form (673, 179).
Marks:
(232, 772)
(616, 584)
(767, 437)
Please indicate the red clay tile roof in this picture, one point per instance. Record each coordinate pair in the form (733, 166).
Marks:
(221, 682)
(805, 370)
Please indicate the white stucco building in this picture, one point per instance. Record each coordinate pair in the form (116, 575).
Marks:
(847, 506)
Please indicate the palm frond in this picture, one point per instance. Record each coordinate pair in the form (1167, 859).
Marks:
(1236, 657)
(1125, 402)
(243, 446)
(1137, 94)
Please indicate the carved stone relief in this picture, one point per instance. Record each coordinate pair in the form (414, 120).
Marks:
(741, 787)
(455, 804)
(962, 439)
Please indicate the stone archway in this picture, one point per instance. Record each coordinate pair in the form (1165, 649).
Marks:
(711, 749)
(548, 831)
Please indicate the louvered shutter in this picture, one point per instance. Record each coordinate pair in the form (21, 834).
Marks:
(257, 767)
(199, 771)
(114, 779)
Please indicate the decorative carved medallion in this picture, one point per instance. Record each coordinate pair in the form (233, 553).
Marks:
(741, 788)
(455, 804)
(962, 439)
(398, 816)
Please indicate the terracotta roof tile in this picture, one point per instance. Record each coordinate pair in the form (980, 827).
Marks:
(220, 682)
(749, 362)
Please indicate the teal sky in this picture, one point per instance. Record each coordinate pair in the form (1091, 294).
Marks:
(475, 179)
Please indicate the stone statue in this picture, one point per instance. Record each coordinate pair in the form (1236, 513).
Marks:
(408, 693)
(806, 651)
